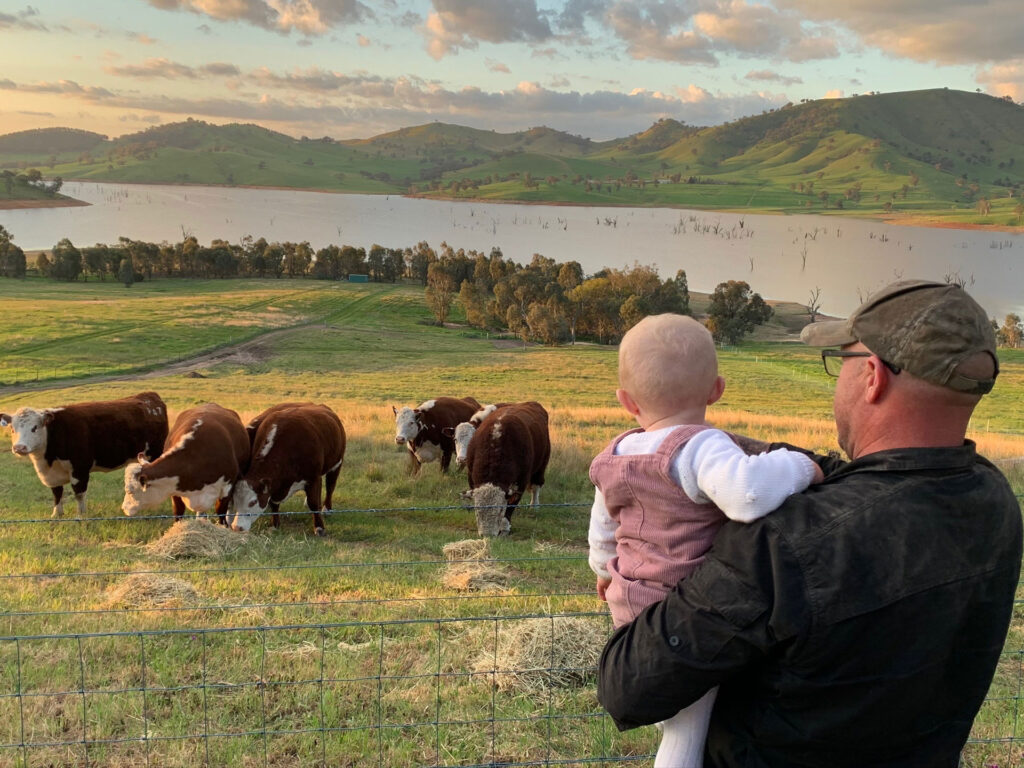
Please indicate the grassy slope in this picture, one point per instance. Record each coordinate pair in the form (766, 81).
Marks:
(758, 163)
(375, 352)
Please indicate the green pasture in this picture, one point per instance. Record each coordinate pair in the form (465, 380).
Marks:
(396, 668)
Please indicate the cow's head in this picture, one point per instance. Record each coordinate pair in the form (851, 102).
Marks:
(407, 424)
(489, 505)
(142, 491)
(462, 434)
(28, 430)
(248, 502)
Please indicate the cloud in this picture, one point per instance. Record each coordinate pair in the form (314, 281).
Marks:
(497, 66)
(835, 93)
(574, 15)
(35, 114)
(363, 41)
(61, 87)
(309, 17)
(316, 80)
(141, 38)
(559, 82)
(133, 118)
(171, 70)
(943, 31)
(458, 24)
(766, 75)
(23, 19)
(695, 32)
(1006, 79)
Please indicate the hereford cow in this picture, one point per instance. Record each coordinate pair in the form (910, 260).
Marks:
(296, 444)
(422, 429)
(508, 454)
(65, 444)
(464, 432)
(204, 455)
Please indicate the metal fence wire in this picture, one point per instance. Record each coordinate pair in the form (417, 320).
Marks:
(503, 678)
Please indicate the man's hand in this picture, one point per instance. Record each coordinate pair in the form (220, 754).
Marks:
(602, 587)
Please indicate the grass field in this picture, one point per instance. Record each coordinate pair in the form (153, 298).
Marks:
(346, 650)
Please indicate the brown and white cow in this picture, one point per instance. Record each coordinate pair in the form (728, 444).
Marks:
(464, 432)
(422, 429)
(296, 445)
(205, 453)
(66, 444)
(508, 454)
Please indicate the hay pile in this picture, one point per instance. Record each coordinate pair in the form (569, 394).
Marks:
(466, 570)
(538, 655)
(151, 590)
(195, 538)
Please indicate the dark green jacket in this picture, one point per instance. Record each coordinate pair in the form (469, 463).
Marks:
(858, 625)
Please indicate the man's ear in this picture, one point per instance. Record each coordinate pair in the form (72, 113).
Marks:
(626, 401)
(716, 391)
(877, 379)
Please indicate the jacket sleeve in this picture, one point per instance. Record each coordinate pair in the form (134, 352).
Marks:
(735, 610)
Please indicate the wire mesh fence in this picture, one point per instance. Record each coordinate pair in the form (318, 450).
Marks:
(322, 673)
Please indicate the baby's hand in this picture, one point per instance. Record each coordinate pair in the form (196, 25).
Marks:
(602, 586)
(818, 475)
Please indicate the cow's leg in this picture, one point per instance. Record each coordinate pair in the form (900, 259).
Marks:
(80, 487)
(446, 459)
(275, 516)
(313, 490)
(506, 526)
(332, 480)
(222, 510)
(535, 496)
(414, 463)
(178, 504)
(58, 501)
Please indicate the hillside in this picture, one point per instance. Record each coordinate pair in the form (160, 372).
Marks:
(936, 154)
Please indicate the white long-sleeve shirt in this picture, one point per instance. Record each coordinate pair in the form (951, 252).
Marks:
(710, 469)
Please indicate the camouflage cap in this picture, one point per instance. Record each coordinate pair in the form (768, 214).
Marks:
(928, 329)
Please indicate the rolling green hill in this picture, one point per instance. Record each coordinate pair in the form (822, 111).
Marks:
(936, 154)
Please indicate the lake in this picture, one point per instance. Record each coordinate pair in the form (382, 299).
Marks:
(781, 257)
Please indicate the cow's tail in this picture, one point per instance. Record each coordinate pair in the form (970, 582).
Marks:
(489, 505)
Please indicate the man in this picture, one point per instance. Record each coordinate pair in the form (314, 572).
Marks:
(860, 623)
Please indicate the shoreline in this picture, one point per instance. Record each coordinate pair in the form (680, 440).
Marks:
(897, 219)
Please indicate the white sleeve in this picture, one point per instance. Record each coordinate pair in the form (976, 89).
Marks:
(712, 468)
(601, 536)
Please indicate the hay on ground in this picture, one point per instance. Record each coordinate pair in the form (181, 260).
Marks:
(538, 655)
(468, 569)
(195, 538)
(151, 590)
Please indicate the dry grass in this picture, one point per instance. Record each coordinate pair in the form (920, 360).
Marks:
(466, 570)
(538, 655)
(195, 538)
(148, 590)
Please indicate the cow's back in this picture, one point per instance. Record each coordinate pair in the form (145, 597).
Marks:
(510, 447)
(108, 434)
(206, 443)
(303, 439)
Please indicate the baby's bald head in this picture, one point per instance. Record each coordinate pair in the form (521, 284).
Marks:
(667, 363)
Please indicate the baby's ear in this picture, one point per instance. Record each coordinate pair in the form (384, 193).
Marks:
(626, 401)
(716, 391)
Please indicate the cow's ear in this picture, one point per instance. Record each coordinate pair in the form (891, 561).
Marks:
(47, 418)
(143, 480)
(5, 420)
(141, 458)
(448, 431)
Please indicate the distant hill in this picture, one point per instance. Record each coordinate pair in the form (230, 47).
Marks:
(934, 154)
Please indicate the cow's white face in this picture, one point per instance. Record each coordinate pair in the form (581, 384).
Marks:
(141, 493)
(489, 505)
(407, 425)
(463, 434)
(28, 431)
(248, 505)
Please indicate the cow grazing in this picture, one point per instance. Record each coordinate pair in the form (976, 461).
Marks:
(204, 455)
(508, 454)
(464, 432)
(66, 444)
(296, 445)
(422, 429)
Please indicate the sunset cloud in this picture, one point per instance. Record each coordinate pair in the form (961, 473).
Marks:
(171, 70)
(766, 75)
(458, 24)
(309, 17)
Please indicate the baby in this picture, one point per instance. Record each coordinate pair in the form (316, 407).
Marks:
(664, 490)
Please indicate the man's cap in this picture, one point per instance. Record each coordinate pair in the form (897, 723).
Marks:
(928, 329)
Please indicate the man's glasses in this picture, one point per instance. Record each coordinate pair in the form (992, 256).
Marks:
(833, 360)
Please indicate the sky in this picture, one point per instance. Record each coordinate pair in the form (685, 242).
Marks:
(597, 68)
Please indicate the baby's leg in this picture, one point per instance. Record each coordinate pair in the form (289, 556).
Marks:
(683, 735)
